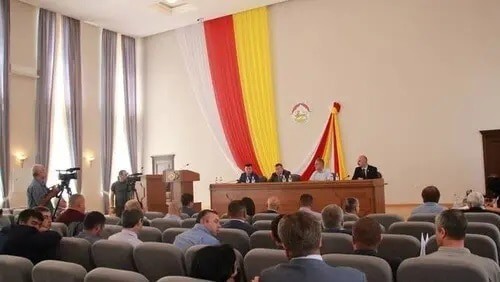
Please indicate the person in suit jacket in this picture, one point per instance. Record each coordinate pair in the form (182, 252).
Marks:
(237, 217)
(364, 170)
(300, 234)
(280, 174)
(249, 176)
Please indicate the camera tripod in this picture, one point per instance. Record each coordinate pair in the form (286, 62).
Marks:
(63, 186)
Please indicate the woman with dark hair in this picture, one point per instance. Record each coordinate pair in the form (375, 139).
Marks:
(250, 205)
(215, 263)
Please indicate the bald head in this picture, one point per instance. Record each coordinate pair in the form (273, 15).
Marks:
(273, 203)
(77, 202)
(362, 161)
(39, 172)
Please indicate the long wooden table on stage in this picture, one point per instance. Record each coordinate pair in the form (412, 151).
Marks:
(370, 194)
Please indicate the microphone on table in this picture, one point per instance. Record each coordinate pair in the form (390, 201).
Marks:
(185, 166)
(348, 176)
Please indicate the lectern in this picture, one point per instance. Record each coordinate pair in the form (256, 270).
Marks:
(180, 182)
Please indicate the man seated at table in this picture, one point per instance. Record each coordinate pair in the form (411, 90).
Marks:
(306, 202)
(249, 176)
(280, 174)
(237, 217)
(364, 170)
(320, 173)
(273, 205)
(430, 197)
(75, 211)
(333, 218)
(203, 233)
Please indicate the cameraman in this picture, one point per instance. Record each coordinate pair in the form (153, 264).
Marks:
(119, 194)
(38, 194)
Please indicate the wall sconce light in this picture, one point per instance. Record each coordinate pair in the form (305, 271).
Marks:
(90, 159)
(21, 157)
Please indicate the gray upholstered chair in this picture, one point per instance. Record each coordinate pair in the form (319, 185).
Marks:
(485, 217)
(195, 215)
(257, 260)
(149, 234)
(181, 279)
(262, 239)
(375, 269)
(480, 245)
(413, 228)
(188, 223)
(113, 254)
(168, 236)
(53, 270)
(190, 253)
(439, 270)
(237, 238)
(348, 224)
(487, 229)
(110, 230)
(350, 217)
(163, 224)
(103, 274)
(156, 260)
(184, 216)
(15, 269)
(112, 220)
(386, 219)
(399, 245)
(76, 250)
(152, 215)
(336, 243)
(425, 217)
(60, 228)
(262, 224)
(263, 216)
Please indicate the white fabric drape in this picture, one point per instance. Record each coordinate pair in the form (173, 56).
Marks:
(192, 43)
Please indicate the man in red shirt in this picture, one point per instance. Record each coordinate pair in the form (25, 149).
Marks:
(75, 211)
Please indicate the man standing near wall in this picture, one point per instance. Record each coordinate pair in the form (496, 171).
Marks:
(38, 194)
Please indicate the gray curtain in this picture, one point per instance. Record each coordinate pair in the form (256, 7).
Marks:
(73, 90)
(43, 108)
(4, 99)
(108, 74)
(129, 81)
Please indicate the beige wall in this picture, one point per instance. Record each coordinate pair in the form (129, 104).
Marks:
(417, 81)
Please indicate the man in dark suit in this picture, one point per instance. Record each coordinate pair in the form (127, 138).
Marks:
(300, 234)
(281, 175)
(364, 170)
(237, 217)
(249, 176)
(366, 237)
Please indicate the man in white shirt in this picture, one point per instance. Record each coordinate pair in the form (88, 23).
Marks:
(321, 173)
(306, 202)
(132, 224)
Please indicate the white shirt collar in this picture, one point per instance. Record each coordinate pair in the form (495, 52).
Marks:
(316, 257)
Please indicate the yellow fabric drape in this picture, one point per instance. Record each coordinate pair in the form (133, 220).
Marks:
(327, 154)
(251, 31)
(338, 146)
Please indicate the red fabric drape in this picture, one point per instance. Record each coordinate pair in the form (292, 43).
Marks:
(319, 151)
(221, 47)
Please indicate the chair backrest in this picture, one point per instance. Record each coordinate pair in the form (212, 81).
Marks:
(336, 243)
(110, 230)
(480, 245)
(53, 270)
(190, 253)
(168, 236)
(163, 224)
(348, 224)
(262, 239)
(195, 215)
(262, 224)
(184, 216)
(486, 217)
(113, 254)
(60, 227)
(439, 270)
(264, 216)
(487, 229)
(74, 228)
(375, 269)
(188, 223)
(413, 228)
(181, 279)
(16, 212)
(237, 238)
(257, 260)
(425, 217)
(224, 220)
(149, 234)
(156, 260)
(386, 219)
(399, 245)
(15, 269)
(296, 177)
(103, 274)
(5, 221)
(76, 250)
(350, 217)
(152, 215)
(112, 220)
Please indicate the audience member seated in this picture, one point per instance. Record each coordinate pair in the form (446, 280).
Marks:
(333, 218)
(320, 173)
(475, 202)
(135, 205)
(301, 237)
(366, 237)
(451, 227)
(249, 176)
(47, 218)
(75, 211)
(203, 233)
(215, 263)
(351, 206)
(274, 231)
(174, 212)
(187, 202)
(93, 224)
(249, 205)
(280, 174)
(237, 217)
(273, 205)
(132, 224)
(430, 196)
(306, 202)
(26, 240)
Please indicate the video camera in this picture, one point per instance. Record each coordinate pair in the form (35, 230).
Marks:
(66, 175)
(132, 179)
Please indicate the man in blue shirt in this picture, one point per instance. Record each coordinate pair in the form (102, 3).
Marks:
(430, 196)
(203, 233)
(38, 194)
